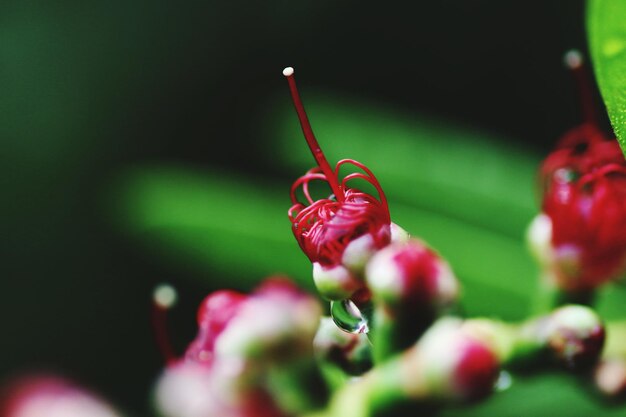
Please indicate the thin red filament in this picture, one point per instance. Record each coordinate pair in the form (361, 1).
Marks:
(161, 335)
(315, 148)
(585, 93)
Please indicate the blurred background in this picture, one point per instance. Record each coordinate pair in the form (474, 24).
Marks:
(153, 141)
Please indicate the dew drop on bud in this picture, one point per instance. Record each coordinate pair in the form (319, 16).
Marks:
(348, 317)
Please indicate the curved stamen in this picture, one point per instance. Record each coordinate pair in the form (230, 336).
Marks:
(315, 148)
(575, 63)
(163, 298)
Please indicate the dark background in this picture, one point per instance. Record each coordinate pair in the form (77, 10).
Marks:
(88, 88)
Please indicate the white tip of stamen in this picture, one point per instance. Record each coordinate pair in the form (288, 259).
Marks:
(288, 72)
(165, 295)
(573, 59)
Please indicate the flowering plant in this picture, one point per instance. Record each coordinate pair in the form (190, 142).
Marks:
(394, 326)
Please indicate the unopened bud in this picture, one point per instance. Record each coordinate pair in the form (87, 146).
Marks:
(214, 314)
(411, 274)
(575, 335)
(610, 377)
(278, 321)
(451, 363)
(335, 282)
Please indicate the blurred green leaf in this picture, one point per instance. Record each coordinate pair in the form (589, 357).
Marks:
(224, 225)
(606, 26)
(230, 226)
(543, 394)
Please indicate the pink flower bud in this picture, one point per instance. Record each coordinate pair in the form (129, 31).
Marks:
(275, 323)
(411, 274)
(335, 282)
(189, 389)
(51, 396)
(450, 362)
(214, 314)
(610, 377)
(575, 335)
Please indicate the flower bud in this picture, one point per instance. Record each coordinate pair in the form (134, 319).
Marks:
(215, 312)
(451, 363)
(335, 282)
(349, 351)
(51, 396)
(575, 335)
(276, 322)
(190, 389)
(409, 275)
(610, 377)
(345, 232)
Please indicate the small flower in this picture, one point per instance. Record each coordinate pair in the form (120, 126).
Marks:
(51, 396)
(580, 238)
(344, 229)
(454, 363)
(189, 389)
(409, 276)
(575, 335)
(610, 377)
(276, 322)
(214, 314)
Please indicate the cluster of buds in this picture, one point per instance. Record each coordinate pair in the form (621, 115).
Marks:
(47, 395)
(579, 238)
(448, 363)
(570, 336)
(243, 345)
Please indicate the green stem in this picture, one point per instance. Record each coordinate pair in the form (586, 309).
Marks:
(299, 386)
(394, 332)
(549, 296)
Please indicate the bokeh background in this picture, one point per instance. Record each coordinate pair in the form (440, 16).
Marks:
(154, 141)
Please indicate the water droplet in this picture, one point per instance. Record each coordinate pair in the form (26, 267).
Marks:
(504, 382)
(348, 316)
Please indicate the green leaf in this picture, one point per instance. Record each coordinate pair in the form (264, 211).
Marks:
(606, 26)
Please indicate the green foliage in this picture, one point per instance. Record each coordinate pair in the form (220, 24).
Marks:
(606, 25)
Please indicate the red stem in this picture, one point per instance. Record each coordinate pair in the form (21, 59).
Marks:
(316, 150)
(161, 335)
(585, 93)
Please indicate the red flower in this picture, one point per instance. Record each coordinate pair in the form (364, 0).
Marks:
(215, 311)
(325, 227)
(584, 184)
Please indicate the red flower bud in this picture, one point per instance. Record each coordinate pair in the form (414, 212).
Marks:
(575, 335)
(450, 362)
(277, 322)
(215, 311)
(584, 197)
(189, 389)
(411, 275)
(585, 200)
